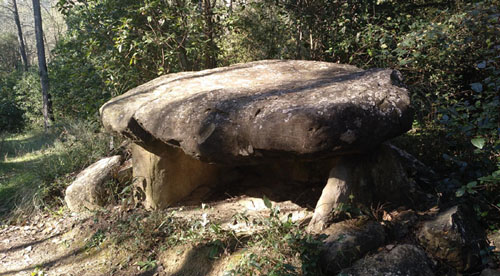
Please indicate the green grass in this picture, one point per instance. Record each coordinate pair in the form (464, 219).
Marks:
(36, 166)
(20, 156)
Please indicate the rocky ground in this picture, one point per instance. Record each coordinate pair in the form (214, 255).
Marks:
(75, 245)
(250, 228)
(122, 240)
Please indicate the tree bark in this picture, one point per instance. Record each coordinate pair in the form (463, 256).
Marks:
(22, 48)
(48, 115)
(211, 47)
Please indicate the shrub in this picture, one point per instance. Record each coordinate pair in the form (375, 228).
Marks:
(28, 96)
(11, 115)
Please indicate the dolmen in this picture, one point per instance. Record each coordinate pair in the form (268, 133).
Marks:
(190, 129)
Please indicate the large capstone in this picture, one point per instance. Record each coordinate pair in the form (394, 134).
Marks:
(189, 129)
(245, 112)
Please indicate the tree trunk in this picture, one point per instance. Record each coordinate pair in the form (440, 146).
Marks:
(48, 115)
(22, 48)
(211, 47)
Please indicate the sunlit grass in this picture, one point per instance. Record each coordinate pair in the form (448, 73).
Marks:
(27, 157)
(36, 166)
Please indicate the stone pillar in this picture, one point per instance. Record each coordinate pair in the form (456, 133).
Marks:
(346, 184)
(161, 180)
(375, 177)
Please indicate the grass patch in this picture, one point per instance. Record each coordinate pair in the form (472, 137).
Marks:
(37, 166)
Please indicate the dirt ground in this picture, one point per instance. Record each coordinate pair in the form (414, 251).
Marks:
(66, 244)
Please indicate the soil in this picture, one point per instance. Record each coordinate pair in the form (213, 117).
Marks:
(69, 244)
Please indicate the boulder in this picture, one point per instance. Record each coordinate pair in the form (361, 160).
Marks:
(87, 192)
(253, 114)
(494, 238)
(455, 237)
(267, 108)
(400, 224)
(404, 260)
(349, 241)
(490, 272)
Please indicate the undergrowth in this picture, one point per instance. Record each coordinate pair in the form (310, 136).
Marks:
(275, 245)
(37, 166)
(281, 248)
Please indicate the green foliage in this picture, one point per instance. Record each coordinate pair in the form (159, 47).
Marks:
(10, 115)
(37, 166)
(76, 87)
(147, 265)
(255, 31)
(95, 240)
(28, 96)
(10, 59)
(112, 46)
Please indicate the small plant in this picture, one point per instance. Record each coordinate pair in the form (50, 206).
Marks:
(95, 241)
(38, 272)
(280, 248)
(147, 265)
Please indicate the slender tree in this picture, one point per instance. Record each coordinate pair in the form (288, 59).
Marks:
(42, 66)
(211, 47)
(22, 48)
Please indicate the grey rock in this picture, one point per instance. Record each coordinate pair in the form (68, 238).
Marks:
(269, 108)
(401, 224)
(347, 242)
(87, 191)
(494, 238)
(402, 260)
(490, 272)
(455, 237)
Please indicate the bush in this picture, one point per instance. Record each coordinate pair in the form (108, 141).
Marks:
(11, 115)
(28, 96)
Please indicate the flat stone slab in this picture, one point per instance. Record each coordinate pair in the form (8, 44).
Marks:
(269, 108)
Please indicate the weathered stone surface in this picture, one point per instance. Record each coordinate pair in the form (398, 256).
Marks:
(401, 223)
(368, 179)
(490, 272)
(494, 238)
(347, 242)
(267, 108)
(161, 180)
(454, 237)
(124, 173)
(87, 191)
(414, 167)
(402, 260)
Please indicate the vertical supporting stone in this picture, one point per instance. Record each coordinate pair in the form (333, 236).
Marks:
(161, 180)
(344, 180)
(371, 178)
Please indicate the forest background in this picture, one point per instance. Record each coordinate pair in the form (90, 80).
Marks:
(447, 50)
